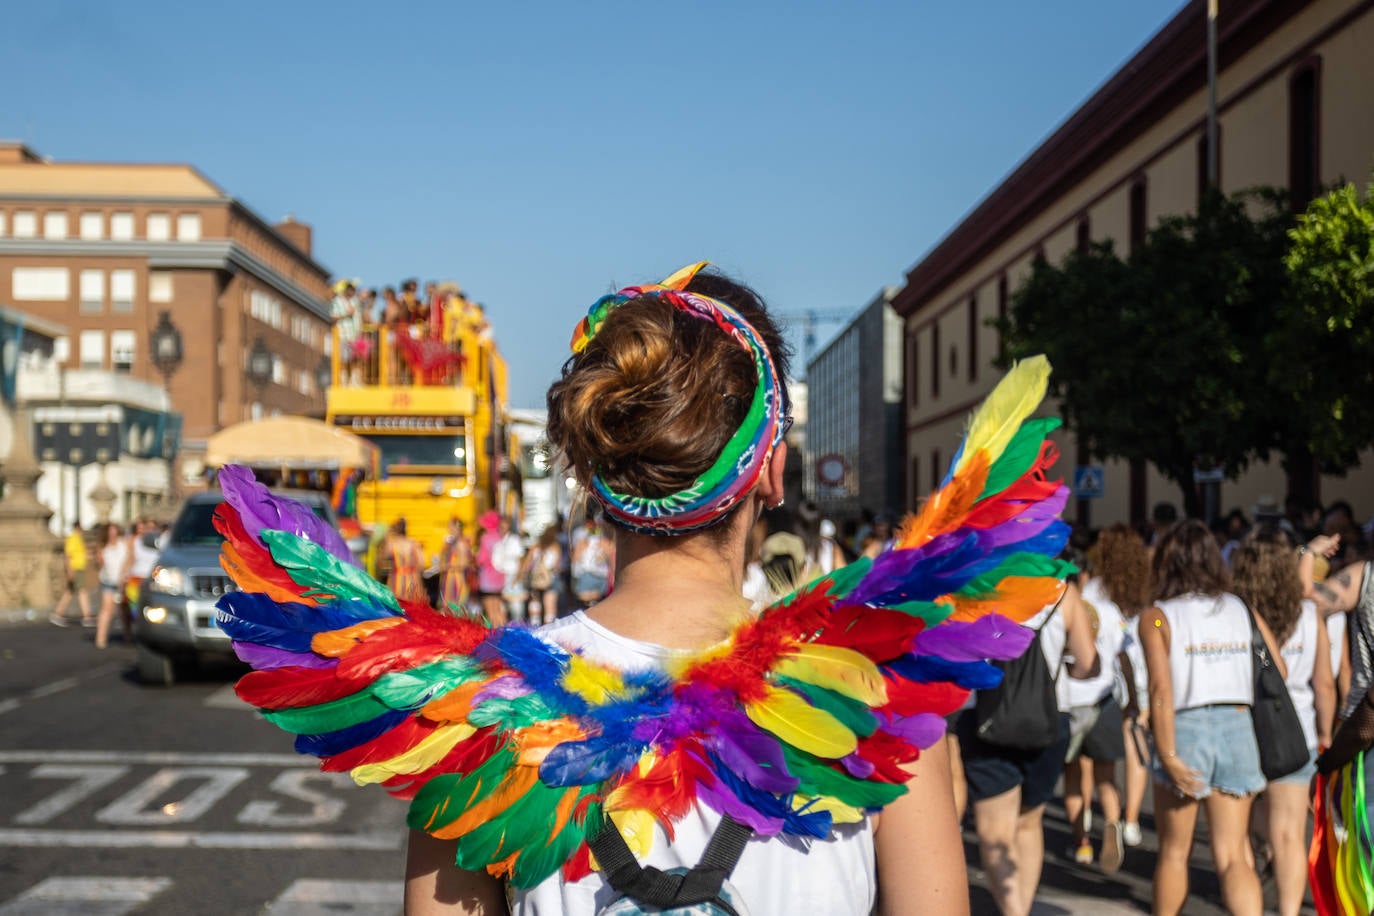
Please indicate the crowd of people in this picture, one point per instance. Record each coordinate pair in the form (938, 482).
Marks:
(500, 575)
(124, 557)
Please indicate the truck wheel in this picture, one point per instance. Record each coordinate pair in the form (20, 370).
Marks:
(154, 668)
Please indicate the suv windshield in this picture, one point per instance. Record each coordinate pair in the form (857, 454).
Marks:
(195, 524)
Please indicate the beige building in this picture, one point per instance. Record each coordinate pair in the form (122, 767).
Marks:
(1294, 110)
(105, 248)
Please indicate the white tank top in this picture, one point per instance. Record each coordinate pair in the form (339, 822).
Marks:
(774, 876)
(1136, 653)
(1335, 632)
(1209, 650)
(1300, 657)
(1110, 635)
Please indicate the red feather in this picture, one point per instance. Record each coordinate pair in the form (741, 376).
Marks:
(392, 743)
(579, 865)
(878, 633)
(251, 553)
(887, 753)
(906, 698)
(465, 757)
(426, 636)
(287, 688)
(668, 789)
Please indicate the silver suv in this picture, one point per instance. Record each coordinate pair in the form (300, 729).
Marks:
(175, 625)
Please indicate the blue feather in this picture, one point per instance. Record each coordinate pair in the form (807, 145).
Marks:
(929, 669)
(803, 823)
(256, 618)
(331, 743)
(579, 763)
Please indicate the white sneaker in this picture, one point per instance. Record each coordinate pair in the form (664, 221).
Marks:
(1112, 850)
(1130, 834)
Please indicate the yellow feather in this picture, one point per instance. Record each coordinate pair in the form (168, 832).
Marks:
(592, 682)
(802, 725)
(637, 827)
(840, 813)
(834, 668)
(416, 760)
(999, 416)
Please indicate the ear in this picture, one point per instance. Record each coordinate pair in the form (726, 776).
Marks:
(770, 486)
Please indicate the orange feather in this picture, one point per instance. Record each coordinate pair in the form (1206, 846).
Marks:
(518, 781)
(336, 643)
(947, 507)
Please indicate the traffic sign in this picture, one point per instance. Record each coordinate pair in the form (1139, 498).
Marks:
(1088, 481)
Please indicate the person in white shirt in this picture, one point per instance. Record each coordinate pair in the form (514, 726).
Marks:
(1197, 649)
(1267, 579)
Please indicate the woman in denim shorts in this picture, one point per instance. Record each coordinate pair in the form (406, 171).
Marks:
(1197, 650)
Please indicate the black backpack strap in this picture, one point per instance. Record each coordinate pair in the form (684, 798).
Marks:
(651, 886)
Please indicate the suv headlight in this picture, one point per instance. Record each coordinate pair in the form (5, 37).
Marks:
(169, 580)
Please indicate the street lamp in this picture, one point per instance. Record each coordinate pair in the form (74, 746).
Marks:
(167, 354)
(260, 365)
(324, 374)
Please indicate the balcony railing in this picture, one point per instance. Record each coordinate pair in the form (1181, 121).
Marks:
(398, 354)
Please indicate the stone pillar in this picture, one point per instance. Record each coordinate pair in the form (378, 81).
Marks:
(31, 573)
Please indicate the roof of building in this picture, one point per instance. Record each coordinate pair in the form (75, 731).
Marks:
(28, 173)
(1171, 66)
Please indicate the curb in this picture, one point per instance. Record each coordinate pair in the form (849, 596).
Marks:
(18, 617)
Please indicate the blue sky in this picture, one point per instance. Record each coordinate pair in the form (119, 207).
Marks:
(544, 153)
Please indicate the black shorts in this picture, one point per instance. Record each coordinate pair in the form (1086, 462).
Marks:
(991, 770)
(1105, 740)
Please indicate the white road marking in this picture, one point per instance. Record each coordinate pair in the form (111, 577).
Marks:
(309, 897)
(186, 839)
(89, 780)
(293, 784)
(225, 698)
(87, 896)
(158, 758)
(132, 808)
(47, 690)
(8, 706)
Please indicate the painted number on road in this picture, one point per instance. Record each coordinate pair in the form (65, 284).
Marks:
(295, 784)
(138, 808)
(86, 781)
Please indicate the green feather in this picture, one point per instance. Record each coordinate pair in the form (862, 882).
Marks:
(322, 573)
(1020, 454)
(443, 799)
(542, 858)
(852, 714)
(525, 826)
(414, 688)
(930, 611)
(513, 713)
(329, 717)
(843, 580)
(1018, 564)
(815, 778)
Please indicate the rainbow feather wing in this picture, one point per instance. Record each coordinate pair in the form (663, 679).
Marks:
(512, 746)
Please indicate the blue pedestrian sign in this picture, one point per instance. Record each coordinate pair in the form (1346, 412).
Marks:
(1087, 481)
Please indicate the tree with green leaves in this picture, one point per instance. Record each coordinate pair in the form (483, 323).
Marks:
(1323, 376)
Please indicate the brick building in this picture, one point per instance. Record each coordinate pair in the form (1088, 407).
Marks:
(105, 248)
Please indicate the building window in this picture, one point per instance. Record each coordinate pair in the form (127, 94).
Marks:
(159, 227)
(1003, 305)
(1304, 130)
(188, 227)
(41, 284)
(123, 345)
(121, 227)
(92, 226)
(25, 224)
(92, 286)
(973, 338)
(255, 411)
(935, 358)
(159, 286)
(935, 469)
(54, 225)
(1082, 235)
(1138, 221)
(278, 371)
(62, 349)
(121, 290)
(92, 344)
(913, 365)
(2, 224)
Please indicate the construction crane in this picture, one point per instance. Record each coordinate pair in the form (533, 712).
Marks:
(807, 321)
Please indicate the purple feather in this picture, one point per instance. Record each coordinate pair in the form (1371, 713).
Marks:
(259, 509)
(261, 657)
(991, 636)
(754, 756)
(720, 799)
(506, 687)
(922, 729)
(858, 767)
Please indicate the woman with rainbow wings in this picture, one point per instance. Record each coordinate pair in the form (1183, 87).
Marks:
(666, 749)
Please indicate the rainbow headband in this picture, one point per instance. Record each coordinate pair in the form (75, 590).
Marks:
(740, 464)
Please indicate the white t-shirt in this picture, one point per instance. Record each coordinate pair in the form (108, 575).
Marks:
(112, 560)
(1300, 657)
(1110, 634)
(1335, 632)
(781, 875)
(1209, 650)
(145, 558)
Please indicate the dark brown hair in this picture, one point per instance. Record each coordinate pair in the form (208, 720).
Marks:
(656, 394)
(1267, 580)
(1120, 560)
(1187, 560)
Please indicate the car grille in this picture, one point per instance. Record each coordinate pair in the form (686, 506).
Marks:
(212, 585)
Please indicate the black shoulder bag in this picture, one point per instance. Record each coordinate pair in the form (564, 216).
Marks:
(1022, 712)
(1278, 731)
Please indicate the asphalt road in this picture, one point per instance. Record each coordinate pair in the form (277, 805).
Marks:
(120, 798)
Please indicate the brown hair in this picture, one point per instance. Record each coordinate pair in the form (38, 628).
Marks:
(1187, 560)
(548, 537)
(656, 394)
(1122, 563)
(1267, 580)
